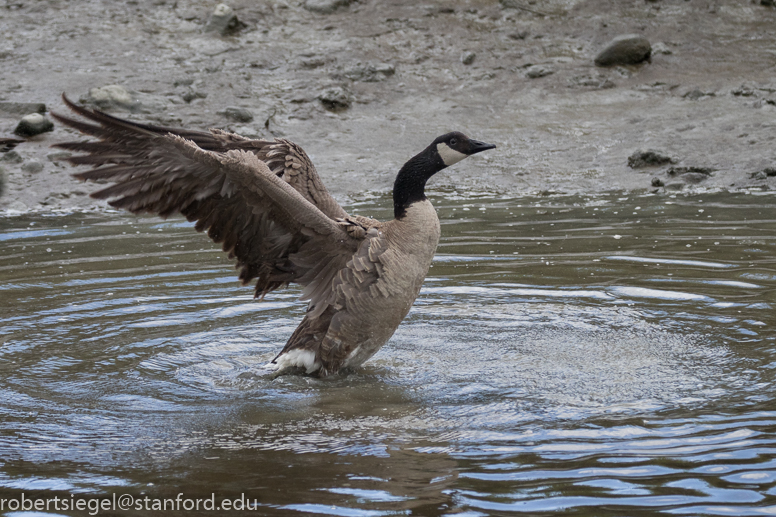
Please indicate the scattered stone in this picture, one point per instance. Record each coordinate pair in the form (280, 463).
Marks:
(58, 156)
(588, 81)
(763, 174)
(325, 6)
(657, 182)
(6, 144)
(629, 49)
(661, 48)
(11, 157)
(336, 99)
(680, 171)
(519, 35)
(191, 94)
(648, 158)
(33, 124)
(520, 4)
(368, 73)
(467, 58)
(696, 94)
(32, 166)
(224, 21)
(693, 177)
(744, 90)
(312, 62)
(116, 97)
(537, 71)
(237, 114)
(22, 108)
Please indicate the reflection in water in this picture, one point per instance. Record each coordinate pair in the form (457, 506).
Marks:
(605, 354)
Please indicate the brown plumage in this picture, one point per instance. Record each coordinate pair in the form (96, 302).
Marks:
(264, 202)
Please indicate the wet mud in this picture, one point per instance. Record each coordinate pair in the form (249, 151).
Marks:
(364, 85)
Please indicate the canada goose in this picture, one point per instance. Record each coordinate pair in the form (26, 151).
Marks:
(264, 202)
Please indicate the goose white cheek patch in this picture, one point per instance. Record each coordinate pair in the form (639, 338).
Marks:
(449, 156)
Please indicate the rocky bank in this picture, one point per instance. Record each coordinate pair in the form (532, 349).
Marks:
(363, 85)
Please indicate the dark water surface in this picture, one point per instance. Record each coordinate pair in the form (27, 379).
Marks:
(600, 356)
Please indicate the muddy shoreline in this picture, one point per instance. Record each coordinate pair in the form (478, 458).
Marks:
(367, 85)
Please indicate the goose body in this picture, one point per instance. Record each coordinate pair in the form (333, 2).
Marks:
(265, 203)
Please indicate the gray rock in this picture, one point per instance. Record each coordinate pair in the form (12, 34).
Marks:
(336, 99)
(693, 177)
(681, 171)
(325, 6)
(58, 156)
(33, 124)
(763, 174)
(224, 21)
(312, 62)
(11, 157)
(628, 49)
(467, 58)
(191, 94)
(657, 182)
(6, 144)
(537, 71)
(648, 158)
(368, 73)
(114, 97)
(745, 90)
(237, 114)
(32, 166)
(2, 181)
(661, 48)
(589, 81)
(696, 94)
(22, 108)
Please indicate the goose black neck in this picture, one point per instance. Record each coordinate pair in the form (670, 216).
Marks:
(410, 184)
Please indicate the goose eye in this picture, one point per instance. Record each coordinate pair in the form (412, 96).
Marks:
(453, 141)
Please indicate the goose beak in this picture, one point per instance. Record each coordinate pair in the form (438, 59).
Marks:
(478, 147)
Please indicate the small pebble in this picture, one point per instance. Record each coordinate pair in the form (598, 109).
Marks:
(628, 49)
(223, 20)
(237, 114)
(537, 71)
(648, 158)
(335, 99)
(33, 124)
(32, 166)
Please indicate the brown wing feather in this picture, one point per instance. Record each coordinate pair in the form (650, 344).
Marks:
(261, 219)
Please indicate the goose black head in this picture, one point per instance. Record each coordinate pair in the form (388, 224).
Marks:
(454, 147)
(444, 151)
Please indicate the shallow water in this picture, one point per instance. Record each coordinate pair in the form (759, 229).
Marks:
(605, 355)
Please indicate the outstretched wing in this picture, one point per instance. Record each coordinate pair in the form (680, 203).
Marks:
(269, 222)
